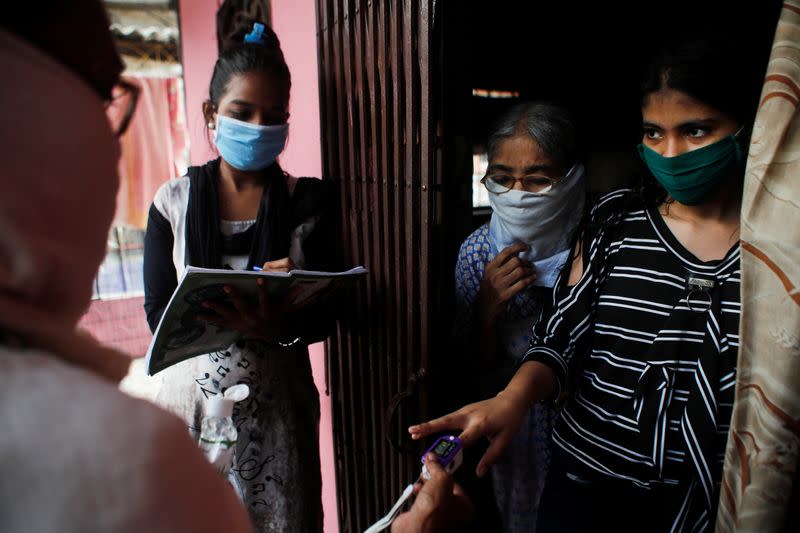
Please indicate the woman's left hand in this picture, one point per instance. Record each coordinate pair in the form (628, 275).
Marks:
(266, 320)
(279, 265)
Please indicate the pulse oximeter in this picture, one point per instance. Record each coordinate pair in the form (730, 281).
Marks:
(448, 453)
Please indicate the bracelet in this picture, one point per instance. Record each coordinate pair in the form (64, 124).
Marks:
(278, 344)
(296, 340)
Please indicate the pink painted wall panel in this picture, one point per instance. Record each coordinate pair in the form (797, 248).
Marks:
(199, 47)
(295, 23)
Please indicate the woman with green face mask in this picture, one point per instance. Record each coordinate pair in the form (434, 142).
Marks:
(643, 337)
(694, 143)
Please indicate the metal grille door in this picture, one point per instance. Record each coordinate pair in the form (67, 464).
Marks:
(377, 129)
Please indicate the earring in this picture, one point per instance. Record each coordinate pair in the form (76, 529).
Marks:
(211, 125)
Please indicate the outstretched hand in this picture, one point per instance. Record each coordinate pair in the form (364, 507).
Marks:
(496, 419)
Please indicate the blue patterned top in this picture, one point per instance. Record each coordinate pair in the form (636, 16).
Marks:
(519, 475)
(516, 322)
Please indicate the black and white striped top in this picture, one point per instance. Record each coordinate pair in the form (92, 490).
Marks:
(651, 365)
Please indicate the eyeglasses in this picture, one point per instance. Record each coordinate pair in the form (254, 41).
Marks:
(121, 106)
(500, 184)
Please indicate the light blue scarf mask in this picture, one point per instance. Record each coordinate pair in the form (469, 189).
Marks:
(544, 221)
(246, 146)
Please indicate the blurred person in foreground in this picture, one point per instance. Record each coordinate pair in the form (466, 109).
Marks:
(78, 454)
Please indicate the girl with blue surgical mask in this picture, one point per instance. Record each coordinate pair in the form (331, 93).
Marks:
(242, 211)
(644, 330)
(506, 270)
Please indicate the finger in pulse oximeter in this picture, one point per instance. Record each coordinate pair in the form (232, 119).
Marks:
(448, 452)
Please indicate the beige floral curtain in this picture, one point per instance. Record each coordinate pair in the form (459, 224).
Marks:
(760, 480)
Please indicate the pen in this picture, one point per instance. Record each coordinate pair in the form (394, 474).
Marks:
(256, 268)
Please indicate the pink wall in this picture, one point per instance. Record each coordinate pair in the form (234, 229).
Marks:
(199, 47)
(295, 23)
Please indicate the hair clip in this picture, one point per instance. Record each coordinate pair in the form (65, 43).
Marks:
(257, 35)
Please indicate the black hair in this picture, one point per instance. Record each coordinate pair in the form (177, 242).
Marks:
(716, 73)
(238, 57)
(551, 126)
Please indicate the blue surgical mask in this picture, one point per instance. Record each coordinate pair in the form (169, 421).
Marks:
(246, 146)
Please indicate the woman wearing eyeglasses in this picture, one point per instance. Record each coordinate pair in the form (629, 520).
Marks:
(506, 269)
(78, 455)
(646, 326)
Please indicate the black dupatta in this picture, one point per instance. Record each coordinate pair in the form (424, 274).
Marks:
(267, 240)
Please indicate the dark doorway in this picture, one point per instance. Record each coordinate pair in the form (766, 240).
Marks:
(400, 126)
(586, 56)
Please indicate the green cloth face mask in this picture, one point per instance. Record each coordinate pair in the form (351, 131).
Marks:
(691, 178)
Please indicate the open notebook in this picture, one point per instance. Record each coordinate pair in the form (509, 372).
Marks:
(181, 335)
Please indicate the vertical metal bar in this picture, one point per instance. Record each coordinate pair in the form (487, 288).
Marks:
(390, 275)
(361, 124)
(412, 264)
(398, 164)
(368, 110)
(345, 366)
(363, 505)
(427, 194)
(376, 91)
(338, 105)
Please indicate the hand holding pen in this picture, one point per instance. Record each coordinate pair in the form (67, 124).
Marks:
(279, 265)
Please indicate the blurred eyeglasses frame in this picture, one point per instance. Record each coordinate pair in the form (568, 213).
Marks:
(125, 88)
(551, 183)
